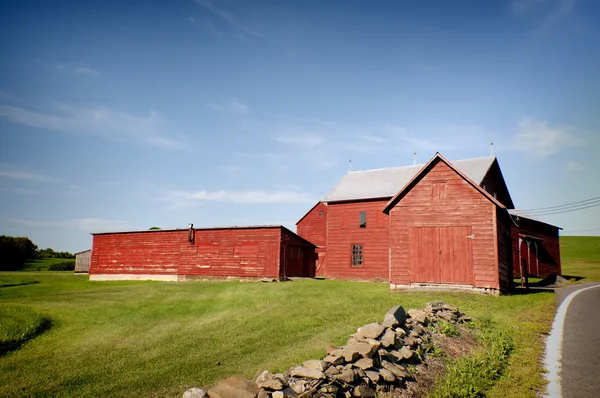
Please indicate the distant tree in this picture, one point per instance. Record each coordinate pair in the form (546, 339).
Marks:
(14, 251)
(154, 228)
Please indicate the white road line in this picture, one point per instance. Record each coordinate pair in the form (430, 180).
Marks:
(553, 358)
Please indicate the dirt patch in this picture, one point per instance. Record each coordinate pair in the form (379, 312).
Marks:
(425, 374)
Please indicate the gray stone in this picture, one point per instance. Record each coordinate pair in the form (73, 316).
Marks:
(306, 373)
(395, 356)
(387, 375)
(299, 387)
(389, 338)
(262, 394)
(413, 334)
(332, 371)
(194, 393)
(329, 349)
(434, 306)
(400, 332)
(450, 308)
(406, 352)
(364, 350)
(418, 329)
(394, 317)
(411, 341)
(347, 376)
(372, 330)
(351, 355)
(418, 315)
(334, 359)
(372, 375)
(270, 381)
(234, 387)
(372, 341)
(364, 363)
(288, 392)
(363, 391)
(398, 371)
(316, 364)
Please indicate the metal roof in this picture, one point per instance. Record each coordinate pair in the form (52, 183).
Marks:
(385, 183)
(525, 214)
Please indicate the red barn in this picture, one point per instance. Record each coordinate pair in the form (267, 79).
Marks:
(313, 227)
(441, 224)
(535, 247)
(180, 254)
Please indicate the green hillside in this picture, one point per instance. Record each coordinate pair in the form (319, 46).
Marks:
(580, 257)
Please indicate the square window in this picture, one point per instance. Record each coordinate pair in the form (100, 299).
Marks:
(363, 219)
(357, 255)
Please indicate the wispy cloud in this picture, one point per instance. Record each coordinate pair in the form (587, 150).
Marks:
(301, 140)
(574, 166)
(539, 139)
(24, 175)
(234, 107)
(78, 69)
(81, 224)
(547, 13)
(206, 26)
(182, 199)
(151, 130)
(229, 18)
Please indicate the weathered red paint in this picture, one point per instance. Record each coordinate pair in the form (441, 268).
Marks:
(313, 227)
(254, 252)
(546, 238)
(443, 229)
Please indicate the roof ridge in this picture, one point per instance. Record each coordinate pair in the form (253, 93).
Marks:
(415, 165)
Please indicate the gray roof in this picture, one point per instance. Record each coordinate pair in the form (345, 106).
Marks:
(529, 216)
(385, 183)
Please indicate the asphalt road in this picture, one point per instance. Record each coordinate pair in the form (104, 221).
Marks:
(580, 372)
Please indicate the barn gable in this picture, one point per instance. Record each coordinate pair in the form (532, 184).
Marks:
(444, 231)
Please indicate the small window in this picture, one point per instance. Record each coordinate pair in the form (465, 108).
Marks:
(321, 213)
(357, 255)
(363, 219)
(438, 190)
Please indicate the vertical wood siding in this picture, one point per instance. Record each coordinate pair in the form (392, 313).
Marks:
(343, 231)
(457, 204)
(548, 257)
(505, 264)
(313, 228)
(297, 256)
(494, 183)
(82, 261)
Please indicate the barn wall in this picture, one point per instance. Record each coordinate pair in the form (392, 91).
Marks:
(343, 231)
(240, 252)
(313, 227)
(548, 258)
(463, 206)
(296, 256)
(82, 262)
(168, 255)
(494, 183)
(505, 265)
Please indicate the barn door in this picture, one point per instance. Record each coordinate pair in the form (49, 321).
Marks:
(441, 255)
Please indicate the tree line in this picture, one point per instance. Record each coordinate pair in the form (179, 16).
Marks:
(16, 250)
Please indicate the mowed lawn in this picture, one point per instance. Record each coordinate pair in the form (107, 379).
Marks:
(159, 338)
(580, 256)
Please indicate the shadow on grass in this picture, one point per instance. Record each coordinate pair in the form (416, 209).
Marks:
(17, 283)
(12, 340)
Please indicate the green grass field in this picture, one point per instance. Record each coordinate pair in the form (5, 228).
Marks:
(580, 257)
(158, 338)
(42, 264)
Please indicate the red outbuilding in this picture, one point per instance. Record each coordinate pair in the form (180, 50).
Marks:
(181, 254)
(313, 227)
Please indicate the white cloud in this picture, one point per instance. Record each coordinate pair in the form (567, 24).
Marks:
(540, 139)
(545, 13)
(234, 106)
(574, 166)
(301, 140)
(81, 224)
(151, 130)
(180, 199)
(229, 18)
(78, 69)
(24, 175)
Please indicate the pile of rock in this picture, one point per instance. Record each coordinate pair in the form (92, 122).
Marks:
(374, 359)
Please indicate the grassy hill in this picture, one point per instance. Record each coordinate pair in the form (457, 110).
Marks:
(580, 257)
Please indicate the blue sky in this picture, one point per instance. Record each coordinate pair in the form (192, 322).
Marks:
(127, 115)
